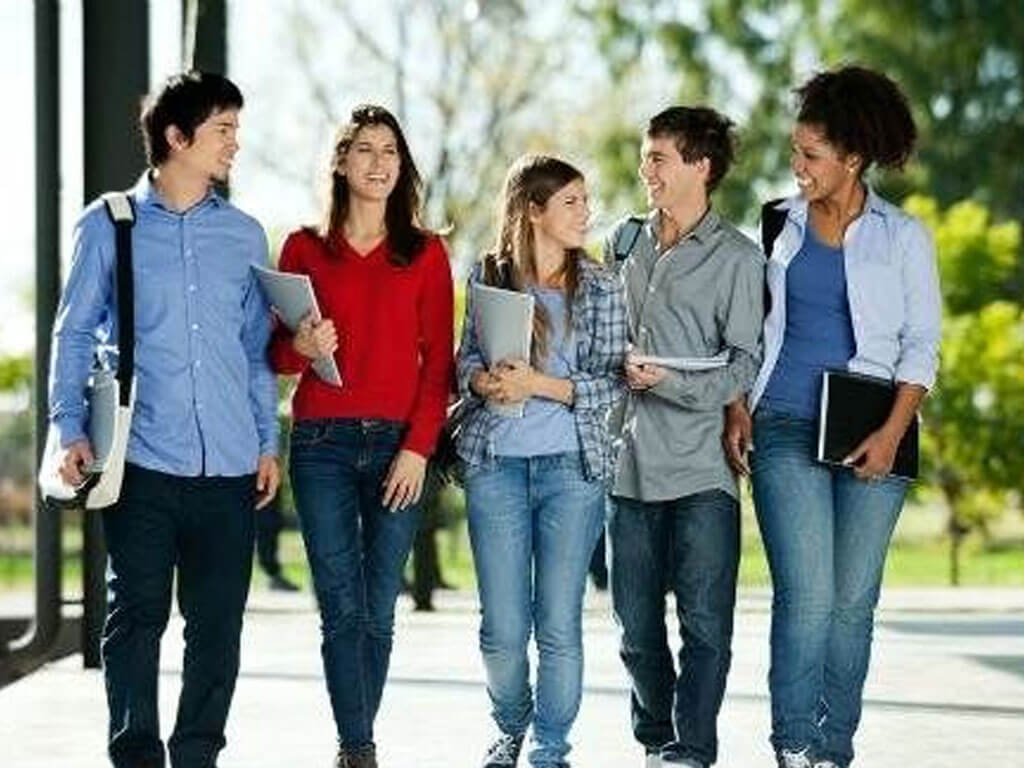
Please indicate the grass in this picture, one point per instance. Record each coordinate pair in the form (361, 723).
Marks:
(918, 556)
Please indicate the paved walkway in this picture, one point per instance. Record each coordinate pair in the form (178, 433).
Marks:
(946, 689)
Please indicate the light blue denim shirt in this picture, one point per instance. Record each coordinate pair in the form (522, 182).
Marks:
(892, 284)
(205, 394)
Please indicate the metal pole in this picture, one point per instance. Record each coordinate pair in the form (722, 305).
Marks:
(204, 46)
(30, 651)
(115, 48)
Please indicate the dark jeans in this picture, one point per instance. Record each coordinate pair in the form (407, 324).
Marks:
(204, 527)
(826, 534)
(356, 550)
(689, 545)
(269, 524)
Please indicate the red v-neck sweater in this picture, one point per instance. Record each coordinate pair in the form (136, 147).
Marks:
(394, 336)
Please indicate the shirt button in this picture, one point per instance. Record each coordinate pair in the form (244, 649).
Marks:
(195, 327)
(651, 289)
(195, 364)
(188, 252)
(191, 289)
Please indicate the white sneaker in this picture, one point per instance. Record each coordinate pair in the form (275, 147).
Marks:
(792, 759)
(653, 761)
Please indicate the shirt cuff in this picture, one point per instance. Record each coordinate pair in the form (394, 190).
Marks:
(71, 430)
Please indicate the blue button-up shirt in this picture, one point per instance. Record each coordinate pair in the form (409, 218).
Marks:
(892, 284)
(205, 395)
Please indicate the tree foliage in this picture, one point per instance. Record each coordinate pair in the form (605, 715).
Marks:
(15, 373)
(974, 420)
(464, 79)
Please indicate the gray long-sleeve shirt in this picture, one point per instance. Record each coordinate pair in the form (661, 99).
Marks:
(703, 295)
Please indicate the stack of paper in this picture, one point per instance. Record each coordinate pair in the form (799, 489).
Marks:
(684, 363)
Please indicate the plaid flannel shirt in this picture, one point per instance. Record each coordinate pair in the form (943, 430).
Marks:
(599, 325)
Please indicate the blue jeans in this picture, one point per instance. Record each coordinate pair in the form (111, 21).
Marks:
(690, 545)
(356, 550)
(826, 534)
(203, 527)
(533, 525)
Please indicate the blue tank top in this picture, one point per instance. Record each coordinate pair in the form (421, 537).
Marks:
(547, 426)
(818, 334)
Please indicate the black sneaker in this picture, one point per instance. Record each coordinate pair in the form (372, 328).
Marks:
(279, 583)
(504, 752)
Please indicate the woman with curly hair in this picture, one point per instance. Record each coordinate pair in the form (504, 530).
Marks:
(853, 285)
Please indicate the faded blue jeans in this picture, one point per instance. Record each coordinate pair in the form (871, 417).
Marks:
(533, 525)
(356, 550)
(826, 534)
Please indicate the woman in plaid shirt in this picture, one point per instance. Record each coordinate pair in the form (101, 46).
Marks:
(535, 485)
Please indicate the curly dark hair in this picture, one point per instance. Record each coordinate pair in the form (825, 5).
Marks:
(861, 112)
(698, 132)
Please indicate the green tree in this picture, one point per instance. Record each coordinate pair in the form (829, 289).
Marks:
(739, 57)
(15, 373)
(974, 420)
(961, 63)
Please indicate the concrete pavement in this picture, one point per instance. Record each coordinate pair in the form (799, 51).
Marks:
(946, 689)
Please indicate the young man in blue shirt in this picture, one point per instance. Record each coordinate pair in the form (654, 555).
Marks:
(202, 450)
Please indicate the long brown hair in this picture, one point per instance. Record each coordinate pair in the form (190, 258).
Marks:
(402, 215)
(534, 179)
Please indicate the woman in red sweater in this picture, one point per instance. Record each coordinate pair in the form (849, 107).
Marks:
(359, 451)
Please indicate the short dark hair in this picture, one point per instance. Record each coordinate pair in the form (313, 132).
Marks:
(861, 112)
(185, 100)
(698, 132)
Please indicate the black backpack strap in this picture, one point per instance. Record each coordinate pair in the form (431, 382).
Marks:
(772, 221)
(122, 215)
(497, 272)
(625, 241)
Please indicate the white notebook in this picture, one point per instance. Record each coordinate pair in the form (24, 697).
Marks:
(293, 298)
(504, 328)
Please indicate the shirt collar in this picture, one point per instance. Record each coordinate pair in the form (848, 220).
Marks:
(707, 226)
(797, 205)
(146, 194)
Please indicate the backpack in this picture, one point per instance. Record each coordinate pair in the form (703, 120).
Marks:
(772, 222)
(445, 461)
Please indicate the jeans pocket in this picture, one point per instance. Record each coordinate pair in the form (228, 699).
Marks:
(471, 469)
(308, 433)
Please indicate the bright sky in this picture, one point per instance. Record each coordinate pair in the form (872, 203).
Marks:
(17, 135)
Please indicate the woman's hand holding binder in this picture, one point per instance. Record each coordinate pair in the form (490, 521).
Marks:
(875, 455)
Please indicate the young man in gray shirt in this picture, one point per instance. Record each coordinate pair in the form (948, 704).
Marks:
(694, 288)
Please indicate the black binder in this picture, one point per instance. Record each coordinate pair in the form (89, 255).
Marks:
(854, 405)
